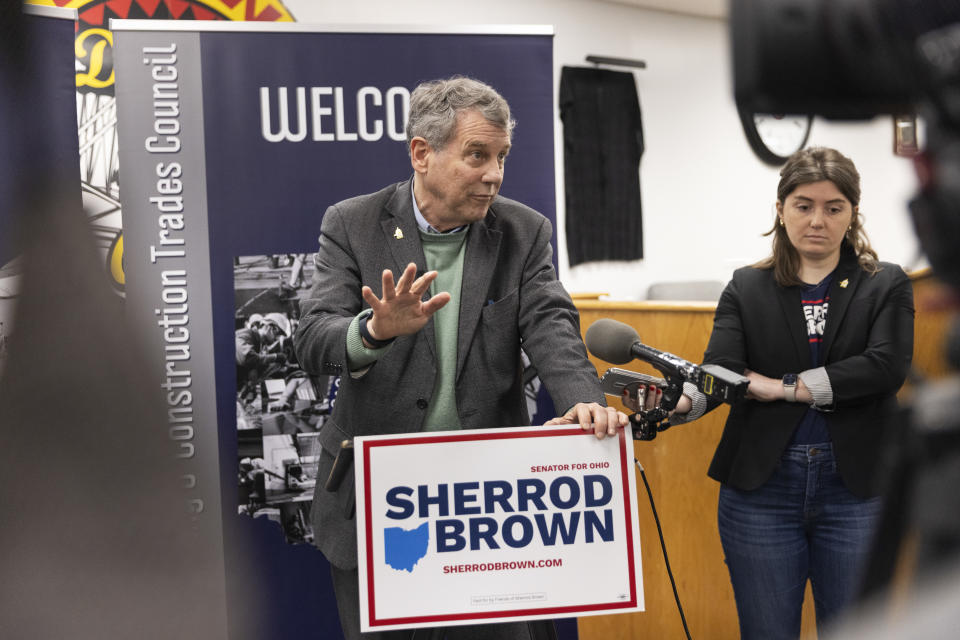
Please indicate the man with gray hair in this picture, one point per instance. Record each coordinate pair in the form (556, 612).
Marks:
(439, 346)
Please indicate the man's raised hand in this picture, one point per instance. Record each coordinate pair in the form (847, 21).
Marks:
(401, 311)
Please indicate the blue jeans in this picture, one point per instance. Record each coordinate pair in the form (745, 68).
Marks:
(802, 523)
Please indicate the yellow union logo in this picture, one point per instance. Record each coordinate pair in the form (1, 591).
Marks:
(90, 47)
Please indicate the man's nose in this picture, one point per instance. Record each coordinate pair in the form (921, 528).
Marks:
(493, 172)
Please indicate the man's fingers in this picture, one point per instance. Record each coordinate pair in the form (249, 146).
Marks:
(583, 417)
(422, 283)
(612, 420)
(407, 278)
(599, 421)
(603, 421)
(389, 290)
(435, 303)
(371, 298)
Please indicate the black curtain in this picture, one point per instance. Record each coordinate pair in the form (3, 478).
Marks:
(602, 145)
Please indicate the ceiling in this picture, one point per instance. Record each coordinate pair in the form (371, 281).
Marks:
(708, 8)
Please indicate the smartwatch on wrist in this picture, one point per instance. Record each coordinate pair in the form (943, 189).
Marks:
(790, 387)
(365, 334)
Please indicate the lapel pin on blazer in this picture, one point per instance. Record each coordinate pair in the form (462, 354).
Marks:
(844, 283)
(398, 234)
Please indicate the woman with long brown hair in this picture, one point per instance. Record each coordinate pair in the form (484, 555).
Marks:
(824, 332)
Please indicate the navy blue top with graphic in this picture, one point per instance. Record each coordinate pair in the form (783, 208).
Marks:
(814, 300)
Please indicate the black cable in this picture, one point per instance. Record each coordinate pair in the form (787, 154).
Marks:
(663, 546)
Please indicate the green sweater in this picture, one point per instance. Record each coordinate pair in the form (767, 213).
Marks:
(444, 254)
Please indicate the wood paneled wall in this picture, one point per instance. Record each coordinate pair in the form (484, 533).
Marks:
(676, 464)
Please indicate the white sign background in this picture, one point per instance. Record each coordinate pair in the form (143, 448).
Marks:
(489, 585)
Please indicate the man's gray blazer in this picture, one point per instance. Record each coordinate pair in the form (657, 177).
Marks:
(510, 298)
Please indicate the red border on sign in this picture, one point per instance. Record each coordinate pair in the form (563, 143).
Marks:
(494, 434)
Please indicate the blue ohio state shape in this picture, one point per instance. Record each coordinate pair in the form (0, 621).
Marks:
(404, 549)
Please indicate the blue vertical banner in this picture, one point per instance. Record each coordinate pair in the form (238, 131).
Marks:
(234, 139)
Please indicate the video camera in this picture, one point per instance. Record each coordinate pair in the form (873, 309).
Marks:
(856, 59)
(619, 343)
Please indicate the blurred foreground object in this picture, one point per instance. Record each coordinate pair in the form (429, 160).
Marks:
(854, 60)
(97, 539)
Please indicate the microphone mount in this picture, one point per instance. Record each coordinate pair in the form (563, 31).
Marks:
(619, 343)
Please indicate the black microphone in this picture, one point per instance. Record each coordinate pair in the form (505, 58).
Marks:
(612, 341)
(619, 343)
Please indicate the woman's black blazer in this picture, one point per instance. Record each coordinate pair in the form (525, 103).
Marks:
(867, 349)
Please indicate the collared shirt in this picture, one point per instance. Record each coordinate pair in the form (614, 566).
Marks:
(425, 226)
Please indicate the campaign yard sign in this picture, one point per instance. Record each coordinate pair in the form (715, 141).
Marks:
(495, 525)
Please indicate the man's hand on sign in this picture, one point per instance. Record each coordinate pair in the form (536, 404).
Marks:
(591, 416)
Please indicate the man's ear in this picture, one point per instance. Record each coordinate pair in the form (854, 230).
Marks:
(420, 152)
